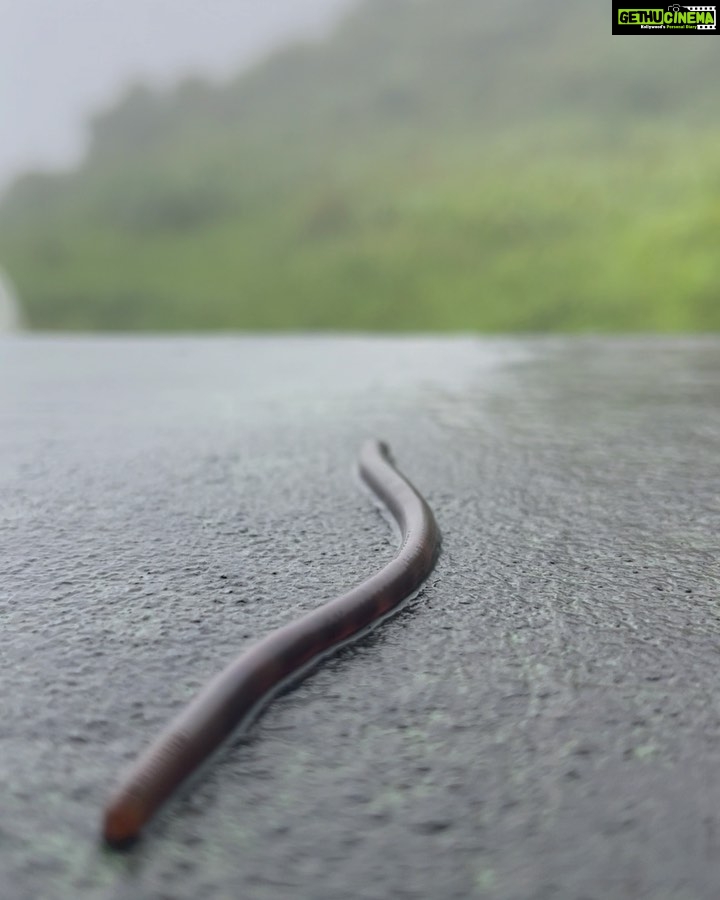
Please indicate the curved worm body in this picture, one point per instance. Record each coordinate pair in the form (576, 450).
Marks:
(220, 707)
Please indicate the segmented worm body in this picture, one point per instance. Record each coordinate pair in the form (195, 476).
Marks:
(221, 706)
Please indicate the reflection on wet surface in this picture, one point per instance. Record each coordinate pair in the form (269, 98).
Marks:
(542, 721)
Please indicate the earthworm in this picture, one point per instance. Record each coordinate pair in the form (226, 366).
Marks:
(226, 700)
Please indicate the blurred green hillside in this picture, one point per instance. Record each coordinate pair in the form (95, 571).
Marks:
(434, 165)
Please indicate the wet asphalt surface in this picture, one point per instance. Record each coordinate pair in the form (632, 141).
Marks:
(542, 721)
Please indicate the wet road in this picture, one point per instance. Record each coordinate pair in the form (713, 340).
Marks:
(543, 721)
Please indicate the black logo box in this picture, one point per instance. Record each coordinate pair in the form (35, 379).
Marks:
(618, 28)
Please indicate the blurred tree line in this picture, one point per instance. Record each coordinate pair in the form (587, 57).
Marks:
(434, 165)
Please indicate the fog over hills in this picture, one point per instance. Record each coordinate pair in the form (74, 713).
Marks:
(62, 59)
(430, 165)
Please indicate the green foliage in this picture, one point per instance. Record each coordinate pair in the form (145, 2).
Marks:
(437, 165)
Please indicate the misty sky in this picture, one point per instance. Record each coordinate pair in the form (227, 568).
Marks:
(61, 59)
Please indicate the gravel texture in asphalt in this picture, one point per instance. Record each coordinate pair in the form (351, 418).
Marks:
(542, 721)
